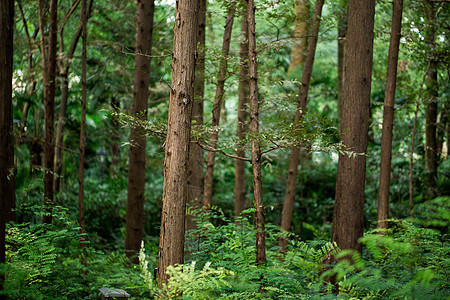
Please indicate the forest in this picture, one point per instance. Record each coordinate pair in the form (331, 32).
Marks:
(229, 149)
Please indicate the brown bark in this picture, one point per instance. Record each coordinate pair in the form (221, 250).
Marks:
(136, 170)
(171, 243)
(388, 116)
(210, 162)
(64, 78)
(348, 215)
(254, 128)
(49, 75)
(82, 139)
(301, 31)
(342, 38)
(294, 157)
(239, 174)
(195, 167)
(7, 191)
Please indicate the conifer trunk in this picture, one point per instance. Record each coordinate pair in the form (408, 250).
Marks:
(348, 215)
(342, 38)
(7, 191)
(301, 31)
(254, 127)
(239, 174)
(294, 157)
(210, 162)
(171, 242)
(136, 170)
(388, 116)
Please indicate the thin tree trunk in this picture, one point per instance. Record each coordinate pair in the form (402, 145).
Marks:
(239, 174)
(210, 162)
(64, 78)
(171, 242)
(301, 31)
(348, 215)
(7, 191)
(294, 157)
(431, 107)
(388, 116)
(49, 75)
(136, 170)
(254, 127)
(342, 38)
(82, 140)
(195, 167)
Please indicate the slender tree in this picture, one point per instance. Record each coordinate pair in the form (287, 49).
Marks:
(254, 128)
(388, 115)
(195, 168)
(7, 191)
(348, 215)
(342, 38)
(239, 174)
(294, 157)
(49, 75)
(136, 170)
(82, 136)
(220, 90)
(171, 242)
(301, 31)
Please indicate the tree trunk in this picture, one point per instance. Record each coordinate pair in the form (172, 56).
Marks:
(195, 167)
(171, 243)
(342, 38)
(239, 174)
(136, 170)
(49, 75)
(348, 215)
(294, 157)
(388, 116)
(210, 162)
(64, 78)
(254, 127)
(301, 31)
(7, 191)
(82, 139)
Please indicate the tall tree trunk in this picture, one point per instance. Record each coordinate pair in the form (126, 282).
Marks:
(348, 215)
(342, 38)
(82, 139)
(388, 116)
(49, 75)
(294, 157)
(301, 31)
(210, 162)
(171, 242)
(431, 107)
(254, 127)
(195, 167)
(64, 78)
(136, 170)
(239, 174)
(7, 191)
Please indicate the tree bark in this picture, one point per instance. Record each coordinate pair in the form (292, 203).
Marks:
(254, 127)
(7, 191)
(388, 116)
(348, 215)
(239, 174)
(294, 157)
(342, 38)
(195, 167)
(49, 75)
(210, 162)
(171, 243)
(301, 31)
(82, 139)
(136, 170)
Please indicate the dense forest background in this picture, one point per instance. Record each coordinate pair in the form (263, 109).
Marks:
(408, 260)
